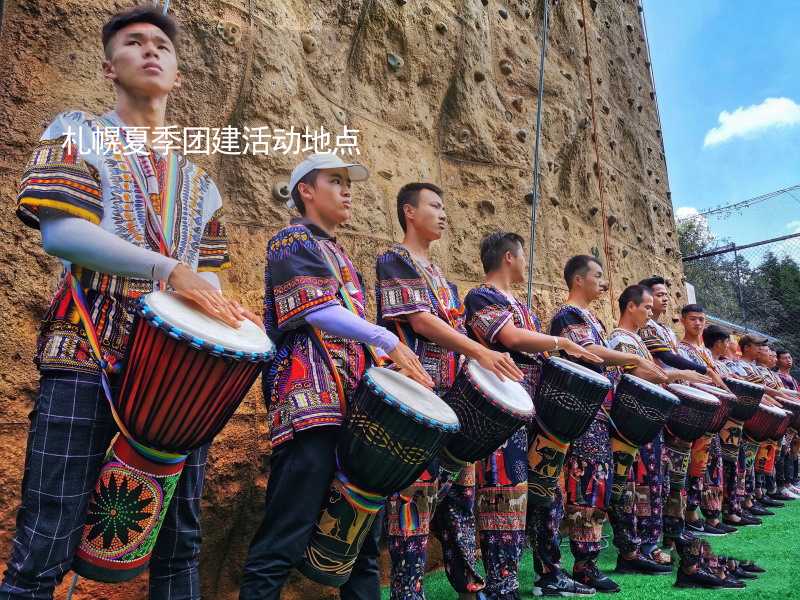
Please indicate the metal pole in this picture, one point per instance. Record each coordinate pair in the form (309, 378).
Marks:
(739, 287)
(535, 190)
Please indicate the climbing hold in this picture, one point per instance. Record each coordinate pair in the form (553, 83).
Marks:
(231, 33)
(606, 109)
(593, 211)
(522, 135)
(402, 2)
(464, 135)
(629, 27)
(395, 62)
(479, 76)
(309, 43)
(340, 116)
(611, 220)
(441, 27)
(509, 116)
(503, 13)
(280, 191)
(565, 223)
(485, 2)
(517, 103)
(527, 13)
(505, 67)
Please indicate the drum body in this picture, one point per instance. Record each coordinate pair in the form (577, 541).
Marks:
(489, 412)
(727, 401)
(792, 407)
(566, 402)
(693, 417)
(748, 397)
(178, 390)
(769, 423)
(638, 414)
(640, 409)
(394, 428)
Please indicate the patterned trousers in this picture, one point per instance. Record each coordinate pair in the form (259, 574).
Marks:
(71, 429)
(451, 518)
(637, 519)
(587, 480)
(501, 510)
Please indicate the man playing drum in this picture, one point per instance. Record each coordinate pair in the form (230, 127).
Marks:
(497, 319)
(314, 310)
(416, 299)
(103, 213)
(638, 526)
(588, 464)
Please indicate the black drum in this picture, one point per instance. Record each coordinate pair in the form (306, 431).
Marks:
(693, 417)
(748, 397)
(769, 423)
(640, 409)
(566, 403)
(638, 414)
(489, 411)
(394, 428)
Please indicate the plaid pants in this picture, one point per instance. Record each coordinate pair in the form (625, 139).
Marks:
(71, 429)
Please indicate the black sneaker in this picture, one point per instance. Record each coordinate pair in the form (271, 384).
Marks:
(770, 502)
(726, 528)
(759, 511)
(740, 573)
(751, 567)
(592, 577)
(641, 565)
(697, 527)
(780, 497)
(750, 517)
(712, 530)
(700, 579)
(558, 583)
(742, 522)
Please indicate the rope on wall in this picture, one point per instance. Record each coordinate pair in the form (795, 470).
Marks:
(597, 169)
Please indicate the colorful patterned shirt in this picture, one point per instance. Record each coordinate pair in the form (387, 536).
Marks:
(583, 327)
(699, 355)
(314, 373)
(404, 287)
(789, 382)
(488, 310)
(98, 184)
(658, 337)
(623, 340)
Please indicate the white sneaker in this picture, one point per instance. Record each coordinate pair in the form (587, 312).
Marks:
(789, 492)
(795, 488)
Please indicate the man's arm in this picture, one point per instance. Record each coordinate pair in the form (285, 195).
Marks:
(433, 328)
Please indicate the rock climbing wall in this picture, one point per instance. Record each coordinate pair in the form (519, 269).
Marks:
(440, 90)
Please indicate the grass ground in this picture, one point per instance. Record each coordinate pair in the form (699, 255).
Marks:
(775, 545)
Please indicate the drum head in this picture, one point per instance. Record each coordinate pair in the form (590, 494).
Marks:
(651, 388)
(684, 391)
(715, 391)
(773, 411)
(508, 394)
(182, 314)
(574, 367)
(412, 396)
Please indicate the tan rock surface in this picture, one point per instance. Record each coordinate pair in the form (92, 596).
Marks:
(440, 90)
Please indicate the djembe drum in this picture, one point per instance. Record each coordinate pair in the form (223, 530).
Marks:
(701, 446)
(793, 407)
(185, 375)
(489, 411)
(394, 427)
(637, 415)
(566, 402)
(689, 421)
(748, 397)
(764, 430)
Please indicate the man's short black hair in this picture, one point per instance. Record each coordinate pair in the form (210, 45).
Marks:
(692, 308)
(141, 14)
(494, 247)
(781, 351)
(632, 293)
(713, 334)
(409, 194)
(309, 178)
(578, 265)
(653, 281)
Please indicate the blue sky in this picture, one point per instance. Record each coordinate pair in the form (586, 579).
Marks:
(741, 58)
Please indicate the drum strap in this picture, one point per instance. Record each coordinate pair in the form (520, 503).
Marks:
(112, 367)
(616, 429)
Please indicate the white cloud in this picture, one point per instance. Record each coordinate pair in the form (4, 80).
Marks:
(793, 226)
(747, 120)
(685, 212)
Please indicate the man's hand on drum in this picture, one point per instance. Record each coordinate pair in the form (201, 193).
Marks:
(578, 351)
(499, 363)
(408, 364)
(647, 369)
(687, 375)
(716, 379)
(208, 298)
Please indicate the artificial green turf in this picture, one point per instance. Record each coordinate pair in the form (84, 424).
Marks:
(775, 545)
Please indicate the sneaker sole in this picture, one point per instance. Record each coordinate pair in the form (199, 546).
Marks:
(634, 572)
(540, 593)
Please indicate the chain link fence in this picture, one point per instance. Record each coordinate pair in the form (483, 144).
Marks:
(752, 288)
